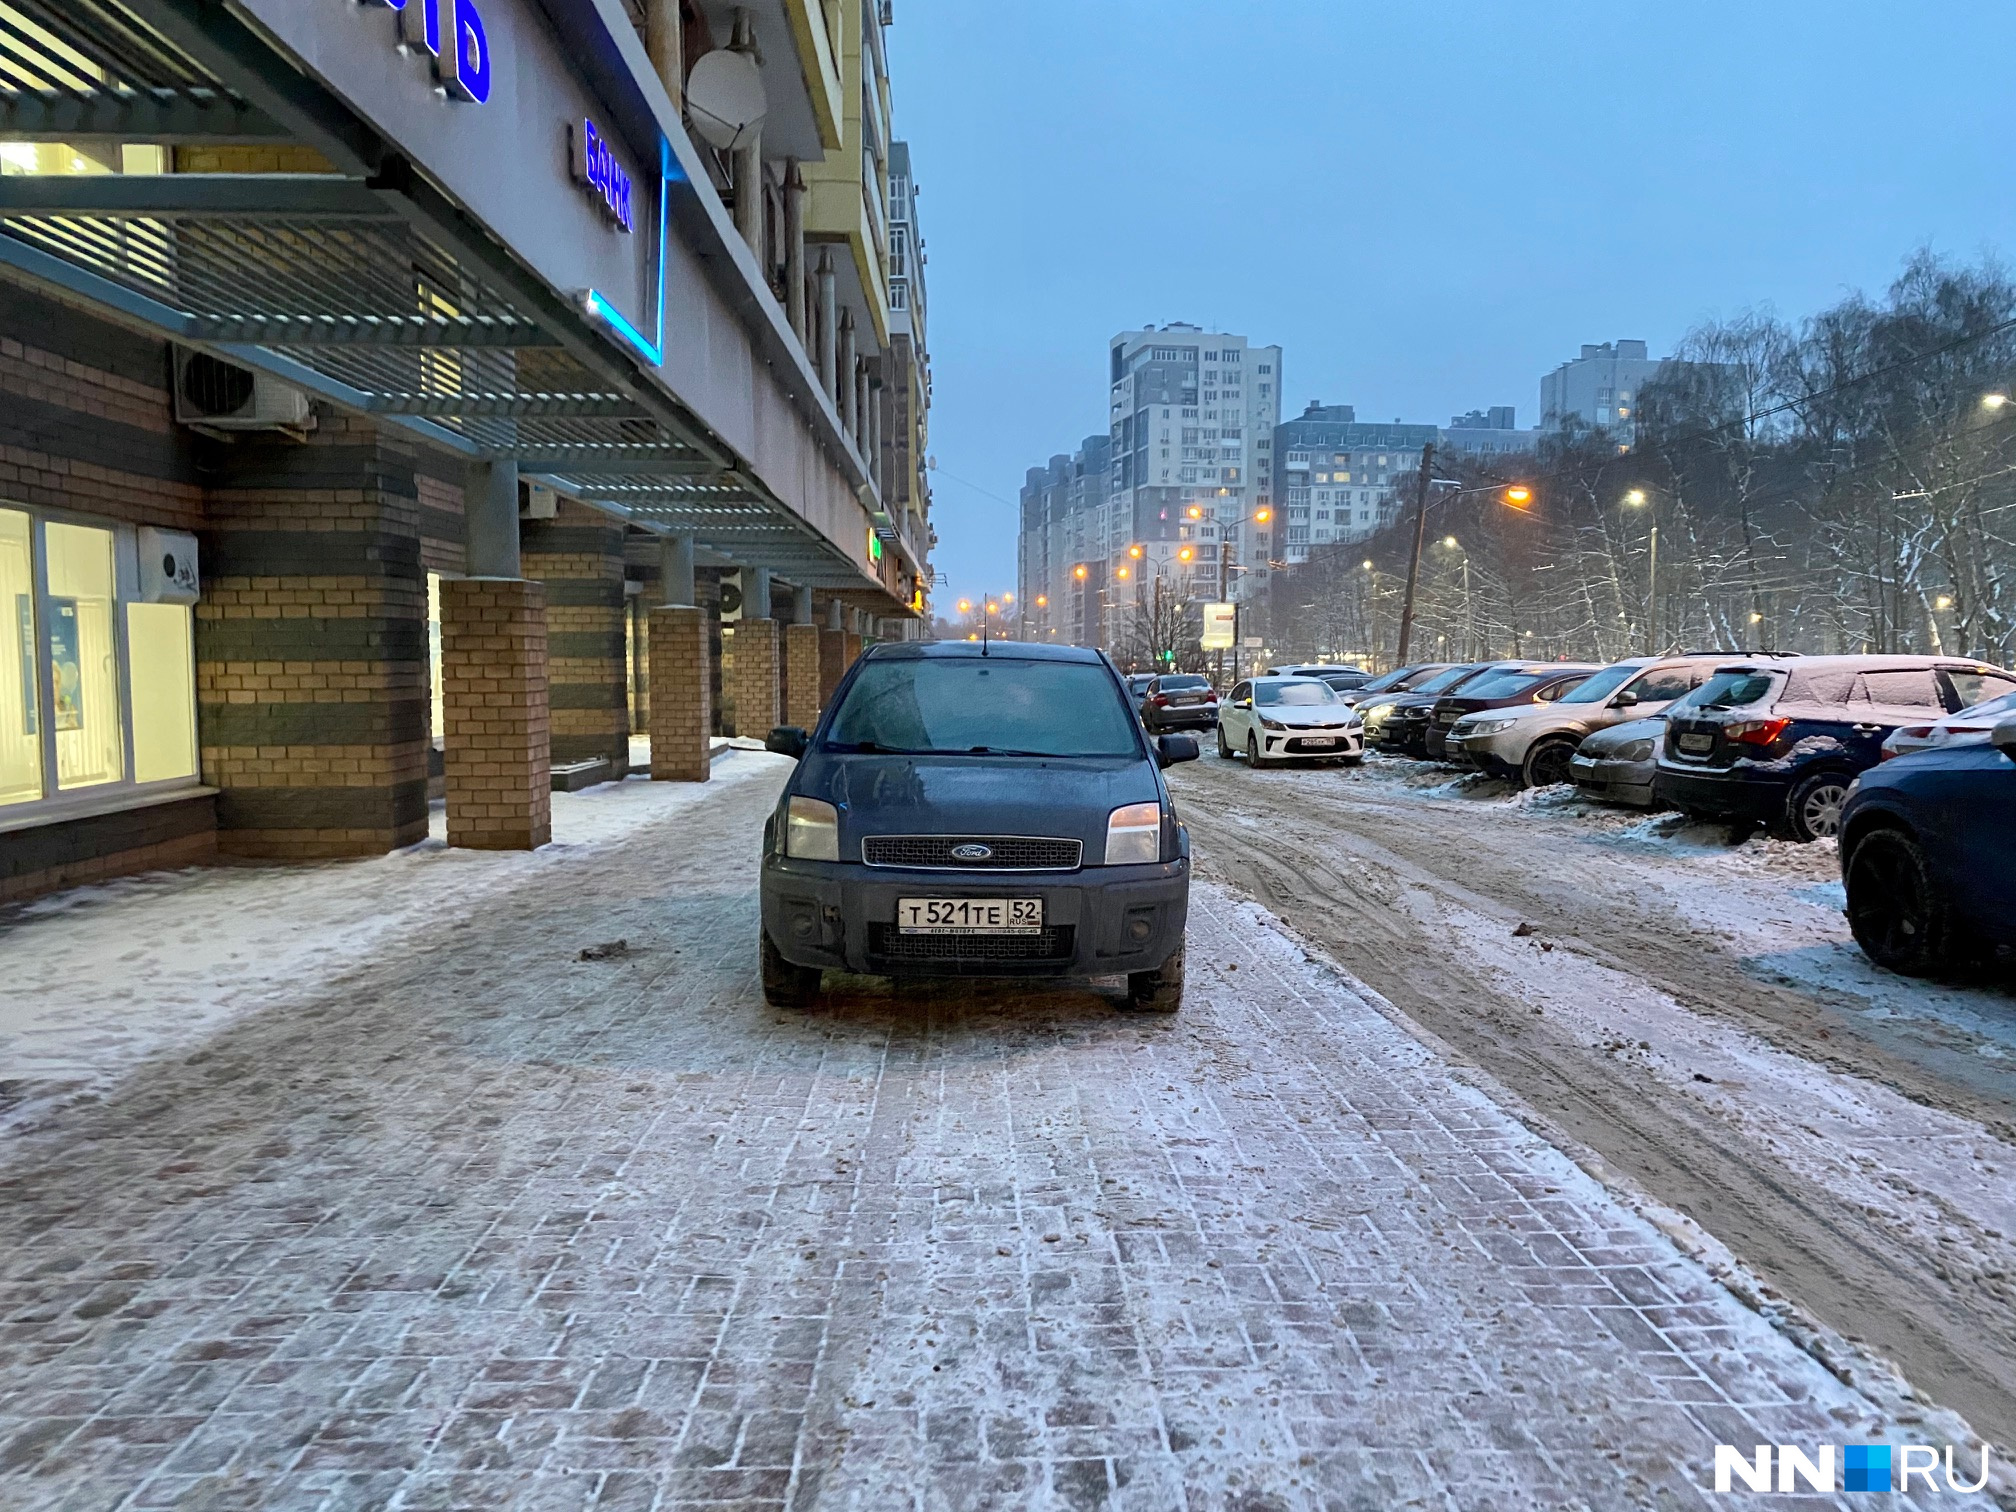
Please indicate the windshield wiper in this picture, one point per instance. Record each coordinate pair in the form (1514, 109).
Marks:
(872, 748)
(1004, 751)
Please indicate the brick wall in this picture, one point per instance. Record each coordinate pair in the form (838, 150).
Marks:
(802, 700)
(494, 690)
(180, 832)
(756, 672)
(682, 719)
(578, 555)
(832, 663)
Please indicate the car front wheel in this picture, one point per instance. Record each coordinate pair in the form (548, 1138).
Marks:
(1253, 757)
(1224, 745)
(1160, 990)
(784, 984)
(1895, 910)
(1813, 812)
(1546, 765)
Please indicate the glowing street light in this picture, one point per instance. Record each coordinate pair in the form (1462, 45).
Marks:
(1185, 554)
(993, 608)
(965, 606)
(1993, 401)
(1134, 552)
(1450, 542)
(1042, 601)
(1079, 572)
(1518, 496)
(1196, 511)
(1368, 564)
(1635, 498)
(1944, 601)
(1756, 618)
(1122, 573)
(1262, 516)
(1007, 598)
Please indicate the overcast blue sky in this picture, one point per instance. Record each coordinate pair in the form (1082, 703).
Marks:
(1428, 205)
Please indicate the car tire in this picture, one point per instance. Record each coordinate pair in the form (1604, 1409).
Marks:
(1160, 990)
(1813, 811)
(1896, 911)
(784, 984)
(1546, 765)
(1253, 757)
(1354, 760)
(1224, 745)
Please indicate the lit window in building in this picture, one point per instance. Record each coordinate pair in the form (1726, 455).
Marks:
(20, 722)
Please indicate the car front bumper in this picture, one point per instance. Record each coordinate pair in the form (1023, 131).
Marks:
(1723, 795)
(1626, 782)
(1098, 920)
(1293, 745)
(1200, 717)
(1484, 752)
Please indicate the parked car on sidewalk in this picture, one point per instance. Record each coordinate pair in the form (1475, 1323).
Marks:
(1397, 721)
(1179, 701)
(1535, 743)
(1971, 726)
(974, 810)
(1274, 719)
(1780, 743)
(1617, 765)
(1926, 856)
(1529, 686)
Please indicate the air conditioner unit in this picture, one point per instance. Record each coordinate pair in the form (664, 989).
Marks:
(214, 395)
(168, 573)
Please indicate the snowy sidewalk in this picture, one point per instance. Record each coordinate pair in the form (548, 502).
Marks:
(477, 1223)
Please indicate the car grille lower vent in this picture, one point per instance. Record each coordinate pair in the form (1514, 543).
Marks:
(887, 943)
(1003, 852)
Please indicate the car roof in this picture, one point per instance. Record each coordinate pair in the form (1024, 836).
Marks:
(1006, 649)
(1872, 663)
(1286, 677)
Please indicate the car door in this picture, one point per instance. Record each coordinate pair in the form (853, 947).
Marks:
(1882, 701)
(1656, 688)
(1235, 715)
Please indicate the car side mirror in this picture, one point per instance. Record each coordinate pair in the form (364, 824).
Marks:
(1171, 749)
(1625, 700)
(2003, 737)
(1242, 703)
(787, 740)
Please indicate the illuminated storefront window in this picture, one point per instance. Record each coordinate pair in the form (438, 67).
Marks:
(97, 686)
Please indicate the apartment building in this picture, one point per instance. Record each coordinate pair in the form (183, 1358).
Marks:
(1337, 479)
(1598, 389)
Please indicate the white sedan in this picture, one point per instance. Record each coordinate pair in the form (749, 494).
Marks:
(1270, 719)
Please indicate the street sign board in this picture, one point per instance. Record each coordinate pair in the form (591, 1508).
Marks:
(1220, 627)
(1254, 643)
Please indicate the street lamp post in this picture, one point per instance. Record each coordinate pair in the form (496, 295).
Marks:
(1517, 495)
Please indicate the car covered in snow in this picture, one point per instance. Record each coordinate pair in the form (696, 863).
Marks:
(1926, 856)
(1269, 720)
(1971, 726)
(1617, 765)
(1779, 743)
(1535, 743)
(965, 809)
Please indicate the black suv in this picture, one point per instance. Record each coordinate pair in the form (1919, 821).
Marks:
(974, 810)
(1780, 743)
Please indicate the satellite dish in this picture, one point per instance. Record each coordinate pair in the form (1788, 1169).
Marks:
(725, 97)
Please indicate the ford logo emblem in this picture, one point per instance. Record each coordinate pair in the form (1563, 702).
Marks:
(972, 852)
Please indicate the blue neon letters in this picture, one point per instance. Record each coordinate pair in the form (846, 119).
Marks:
(464, 66)
(596, 169)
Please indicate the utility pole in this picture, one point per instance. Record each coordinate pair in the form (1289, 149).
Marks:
(1652, 607)
(1224, 569)
(1414, 561)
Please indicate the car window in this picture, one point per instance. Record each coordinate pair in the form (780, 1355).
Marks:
(1821, 685)
(1241, 691)
(1345, 681)
(1731, 690)
(1914, 689)
(1505, 685)
(1294, 692)
(1973, 688)
(1600, 686)
(1183, 684)
(938, 705)
(1559, 689)
(1990, 708)
(1449, 677)
(1660, 685)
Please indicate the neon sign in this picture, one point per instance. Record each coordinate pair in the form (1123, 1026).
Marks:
(597, 171)
(463, 64)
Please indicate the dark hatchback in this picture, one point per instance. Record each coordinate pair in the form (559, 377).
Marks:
(1510, 688)
(1779, 743)
(967, 810)
(1401, 725)
(1179, 701)
(1928, 860)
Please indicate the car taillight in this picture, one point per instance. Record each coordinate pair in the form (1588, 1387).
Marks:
(1916, 732)
(1756, 732)
(1160, 700)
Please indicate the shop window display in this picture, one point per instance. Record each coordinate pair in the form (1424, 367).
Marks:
(20, 723)
(83, 659)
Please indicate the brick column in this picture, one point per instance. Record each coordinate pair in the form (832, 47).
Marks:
(494, 714)
(853, 646)
(757, 683)
(578, 555)
(802, 696)
(832, 663)
(682, 716)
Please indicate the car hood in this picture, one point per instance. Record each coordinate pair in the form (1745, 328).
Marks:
(1301, 715)
(1068, 797)
(1615, 738)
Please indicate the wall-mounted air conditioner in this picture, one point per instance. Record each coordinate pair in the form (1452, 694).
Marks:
(214, 395)
(168, 573)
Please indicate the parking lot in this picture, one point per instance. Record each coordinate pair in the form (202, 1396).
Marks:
(1693, 1014)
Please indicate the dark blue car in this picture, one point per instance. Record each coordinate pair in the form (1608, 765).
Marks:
(1779, 741)
(977, 810)
(1928, 854)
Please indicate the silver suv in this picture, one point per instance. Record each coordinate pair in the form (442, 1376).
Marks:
(1533, 745)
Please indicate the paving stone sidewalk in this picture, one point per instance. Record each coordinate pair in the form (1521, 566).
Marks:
(481, 1225)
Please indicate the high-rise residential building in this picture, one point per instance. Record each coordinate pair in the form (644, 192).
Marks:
(1061, 566)
(1600, 388)
(1192, 415)
(905, 389)
(1336, 479)
(1488, 433)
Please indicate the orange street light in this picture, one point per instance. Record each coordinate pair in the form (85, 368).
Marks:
(1185, 554)
(965, 606)
(1518, 496)
(1078, 573)
(1121, 573)
(1263, 515)
(1042, 601)
(1007, 598)
(1196, 511)
(1134, 552)
(993, 608)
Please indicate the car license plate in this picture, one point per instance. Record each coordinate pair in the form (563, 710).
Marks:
(1319, 740)
(969, 915)
(1697, 743)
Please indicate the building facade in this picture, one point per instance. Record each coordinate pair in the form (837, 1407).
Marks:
(1598, 389)
(1488, 433)
(341, 471)
(1337, 479)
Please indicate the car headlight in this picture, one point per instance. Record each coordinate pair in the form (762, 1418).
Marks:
(811, 830)
(1638, 750)
(1271, 724)
(1134, 834)
(1484, 727)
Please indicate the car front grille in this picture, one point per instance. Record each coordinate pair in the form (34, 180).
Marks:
(1008, 852)
(887, 943)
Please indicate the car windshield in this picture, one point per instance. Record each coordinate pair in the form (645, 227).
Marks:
(1399, 677)
(1994, 707)
(970, 705)
(1448, 678)
(1731, 690)
(1344, 679)
(1505, 685)
(1601, 685)
(1299, 691)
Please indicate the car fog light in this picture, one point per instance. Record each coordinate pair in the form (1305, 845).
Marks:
(811, 830)
(1134, 834)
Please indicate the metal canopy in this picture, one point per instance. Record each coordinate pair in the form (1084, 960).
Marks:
(368, 290)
